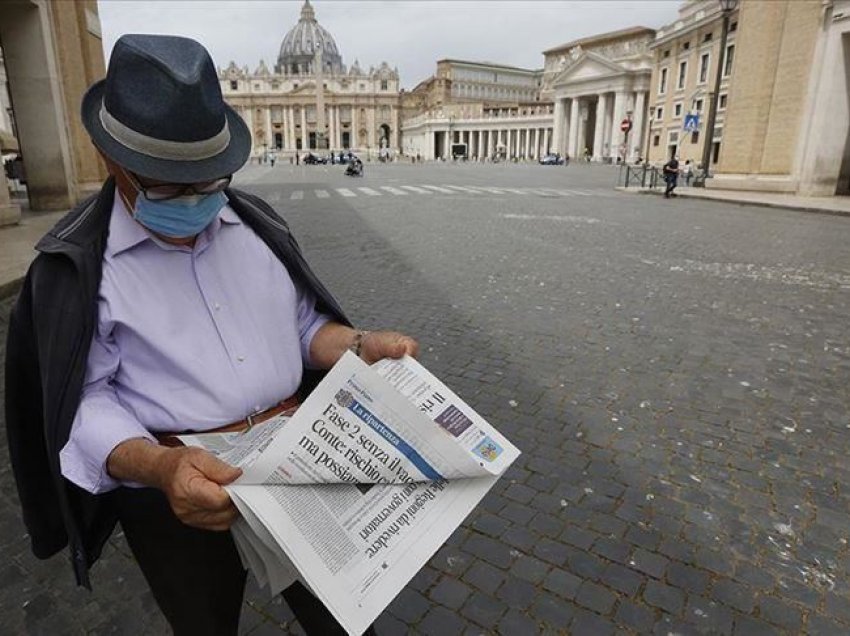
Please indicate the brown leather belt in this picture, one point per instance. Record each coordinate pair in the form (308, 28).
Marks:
(284, 407)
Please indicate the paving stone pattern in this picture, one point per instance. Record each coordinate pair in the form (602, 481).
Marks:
(673, 371)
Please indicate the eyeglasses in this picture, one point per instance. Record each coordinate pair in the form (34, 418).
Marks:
(166, 191)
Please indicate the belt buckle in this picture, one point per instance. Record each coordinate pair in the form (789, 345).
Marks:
(249, 420)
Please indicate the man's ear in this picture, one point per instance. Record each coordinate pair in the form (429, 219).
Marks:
(121, 182)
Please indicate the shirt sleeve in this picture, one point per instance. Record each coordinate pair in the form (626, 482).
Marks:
(101, 423)
(309, 321)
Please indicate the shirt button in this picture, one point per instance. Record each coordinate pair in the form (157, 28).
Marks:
(217, 307)
(240, 358)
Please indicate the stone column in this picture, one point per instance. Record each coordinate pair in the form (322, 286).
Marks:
(370, 117)
(490, 142)
(572, 147)
(305, 137)
(267, 126)
(528, 143)
(559, 124)
(606, 129)
(617, 117)
(355, 126)
(35, 86)
(338, 125)
(599, 127)
(636, 135)
(394, 122)
(10, 213)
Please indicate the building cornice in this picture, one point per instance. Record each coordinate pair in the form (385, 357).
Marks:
(680, 28)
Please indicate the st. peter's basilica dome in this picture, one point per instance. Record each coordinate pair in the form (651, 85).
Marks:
(297, 52)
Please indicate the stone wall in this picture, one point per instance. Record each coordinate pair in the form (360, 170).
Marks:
(775, 47)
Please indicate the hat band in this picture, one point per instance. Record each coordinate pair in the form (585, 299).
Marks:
(163, 148)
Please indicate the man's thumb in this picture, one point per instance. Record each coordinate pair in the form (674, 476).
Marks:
(218, 471)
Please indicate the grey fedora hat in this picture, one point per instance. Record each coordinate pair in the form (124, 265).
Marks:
(160, 114)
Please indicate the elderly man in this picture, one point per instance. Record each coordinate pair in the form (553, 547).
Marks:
(168, 302)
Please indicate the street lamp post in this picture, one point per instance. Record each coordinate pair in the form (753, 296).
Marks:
(726, 6)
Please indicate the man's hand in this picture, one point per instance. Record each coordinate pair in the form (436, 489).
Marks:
(192, 479)
(333, 340)
(387, 344)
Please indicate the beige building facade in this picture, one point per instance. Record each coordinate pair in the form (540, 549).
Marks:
(788, 124)
(477, 110)
(596, 84)
(310, 100)
(52, 52)
(686, 54)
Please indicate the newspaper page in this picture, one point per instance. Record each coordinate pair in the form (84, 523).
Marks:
(362, 485)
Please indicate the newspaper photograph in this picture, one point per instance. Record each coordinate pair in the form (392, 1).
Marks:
(361, 486)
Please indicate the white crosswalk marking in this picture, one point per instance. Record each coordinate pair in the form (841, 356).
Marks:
(370, 192)
(486, 189)
(346, 192)
(297, 195)
(462, 189)
(537, 191)
(322, 194)
(394, 191)
(438, 189)
(514, 190)
(416, 189)
(274, 197)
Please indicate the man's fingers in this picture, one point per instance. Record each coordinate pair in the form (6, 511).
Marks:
(411, 347)
(218, 521)
(216, 470)
(208, 495)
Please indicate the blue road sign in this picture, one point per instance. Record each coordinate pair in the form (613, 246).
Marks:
(691, 123)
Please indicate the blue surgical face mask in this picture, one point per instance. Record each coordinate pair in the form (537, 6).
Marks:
(181, 217)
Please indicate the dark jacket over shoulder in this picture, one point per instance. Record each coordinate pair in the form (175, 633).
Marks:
(50, 332)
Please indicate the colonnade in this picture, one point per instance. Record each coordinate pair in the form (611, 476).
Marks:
(590, 124)
(522, 142)
(293, 125)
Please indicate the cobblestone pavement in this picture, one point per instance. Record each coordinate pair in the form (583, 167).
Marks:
(673, 371)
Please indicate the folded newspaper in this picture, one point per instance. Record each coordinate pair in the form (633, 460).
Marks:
(361, 486)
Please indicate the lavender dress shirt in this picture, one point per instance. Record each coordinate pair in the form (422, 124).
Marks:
(187, 338)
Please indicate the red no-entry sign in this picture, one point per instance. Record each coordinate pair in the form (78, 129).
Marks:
(626, 125)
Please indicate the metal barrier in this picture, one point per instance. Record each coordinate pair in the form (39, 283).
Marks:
(643, 176)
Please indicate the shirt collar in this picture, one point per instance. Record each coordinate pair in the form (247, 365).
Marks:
(125, 233)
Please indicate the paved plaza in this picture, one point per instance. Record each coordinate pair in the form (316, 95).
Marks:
(674, 372)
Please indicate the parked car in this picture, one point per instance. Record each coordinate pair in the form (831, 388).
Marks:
(311, 159)
(552, 160)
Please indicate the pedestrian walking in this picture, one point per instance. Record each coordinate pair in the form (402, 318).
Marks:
(167, 302)
(687, 171)
(671, 176)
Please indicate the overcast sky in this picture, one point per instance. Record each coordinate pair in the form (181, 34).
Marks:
(412, 35)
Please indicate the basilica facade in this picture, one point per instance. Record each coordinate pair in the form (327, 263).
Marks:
(310, 100)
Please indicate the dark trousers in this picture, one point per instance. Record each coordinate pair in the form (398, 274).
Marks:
(196, 576)
(671, 185)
